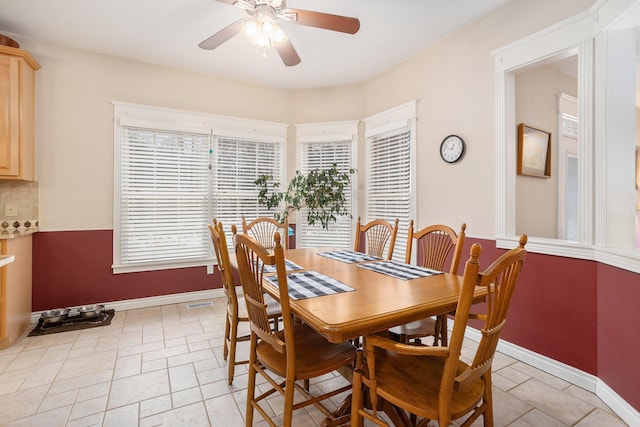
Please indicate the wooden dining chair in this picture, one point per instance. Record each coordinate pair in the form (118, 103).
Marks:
(290, 356)
(435, 245)
(379, 234)
(263, 228)
(236, 307)
(422, 383)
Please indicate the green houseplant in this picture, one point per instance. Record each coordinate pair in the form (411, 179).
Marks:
(321, 191)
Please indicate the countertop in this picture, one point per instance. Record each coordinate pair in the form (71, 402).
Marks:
(6, 259)
(12, 233)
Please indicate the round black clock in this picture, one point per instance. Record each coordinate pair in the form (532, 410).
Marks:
(452, 148)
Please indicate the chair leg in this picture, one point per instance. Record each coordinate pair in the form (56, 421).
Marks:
(227, 338)
(356, 400)
(289, 391)
(232, 351)
(251, 385)
(487, 416)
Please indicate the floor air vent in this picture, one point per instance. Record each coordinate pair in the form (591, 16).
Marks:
(200, 304)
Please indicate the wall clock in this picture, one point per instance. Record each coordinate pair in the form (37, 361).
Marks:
(452, 148)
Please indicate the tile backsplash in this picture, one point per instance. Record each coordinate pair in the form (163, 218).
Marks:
(25, 196)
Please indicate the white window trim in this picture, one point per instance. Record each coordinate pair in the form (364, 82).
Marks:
(587, 32)
(187, 121)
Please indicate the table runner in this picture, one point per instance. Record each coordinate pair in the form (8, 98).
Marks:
(399, 270)
(349, 256)
(309, 284)
(289, 266)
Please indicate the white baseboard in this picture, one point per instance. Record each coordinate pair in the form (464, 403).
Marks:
(137, 303)
(568, 373)
(617, 404)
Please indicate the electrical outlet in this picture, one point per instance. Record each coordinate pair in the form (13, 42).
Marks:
(11, 209)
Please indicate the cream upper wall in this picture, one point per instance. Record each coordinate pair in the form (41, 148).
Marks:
(452, 80)
(74, 128)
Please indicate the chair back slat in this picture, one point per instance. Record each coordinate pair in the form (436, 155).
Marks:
(500, 280)
(252, 257)
(224, 264)
(435, 245)
(262, 229)
(379, 234)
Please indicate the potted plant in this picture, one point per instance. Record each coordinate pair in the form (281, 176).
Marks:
(321, 191)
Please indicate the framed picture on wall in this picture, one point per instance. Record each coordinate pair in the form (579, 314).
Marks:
(534, 152)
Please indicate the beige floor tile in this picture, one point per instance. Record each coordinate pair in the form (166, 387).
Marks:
(121, 417)
(54, 401)
(81, 382)
(93, 390)
(94, 420)
(552, 401)
(154, 365)
(223, 411)
(186, 397)
(127, 366)
(88, 407)
(87, 365)
(128, 390)
(536, 418)
(599, 418)
(21, 404)
(194, 415)
(182, 377)
(155, 405)
(164, 366)
(53, 418)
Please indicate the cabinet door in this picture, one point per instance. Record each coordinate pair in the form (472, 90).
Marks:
(9, 116)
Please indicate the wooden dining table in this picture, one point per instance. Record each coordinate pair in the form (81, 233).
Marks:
(378, 301)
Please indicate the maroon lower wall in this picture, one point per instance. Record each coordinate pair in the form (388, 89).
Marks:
(72, 268)
(580, 313)
(618, 335)
(553, 310)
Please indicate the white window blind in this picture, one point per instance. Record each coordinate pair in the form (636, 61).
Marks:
(236, 165)
(322, 155)
(164, 190)
(389, 172)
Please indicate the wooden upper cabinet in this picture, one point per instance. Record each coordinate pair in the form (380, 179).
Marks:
(17, 114)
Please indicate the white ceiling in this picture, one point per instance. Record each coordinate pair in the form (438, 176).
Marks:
(167, 32)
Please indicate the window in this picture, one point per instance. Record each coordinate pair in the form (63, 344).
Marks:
(322, 145)
(236, 165)
(163, 195)
(171, 178)
(390, 145)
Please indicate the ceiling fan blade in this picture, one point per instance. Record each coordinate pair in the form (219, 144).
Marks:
(230, 2)
(222, 36)
(344, 24)
(288, 53)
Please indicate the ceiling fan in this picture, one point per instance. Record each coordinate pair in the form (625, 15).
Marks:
(263, 30)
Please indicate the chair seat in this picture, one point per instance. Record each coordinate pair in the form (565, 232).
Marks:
(417, 329)
(315, 355)
(420, 395)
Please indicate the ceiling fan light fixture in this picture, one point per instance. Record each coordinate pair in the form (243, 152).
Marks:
(263, 31)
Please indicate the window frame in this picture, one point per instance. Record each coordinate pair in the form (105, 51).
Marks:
(183, 121)
(398, 119)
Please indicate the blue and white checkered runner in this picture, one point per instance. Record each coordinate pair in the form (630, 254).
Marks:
(349, 256)
(399, 270)
(289, 266)
(309, 284)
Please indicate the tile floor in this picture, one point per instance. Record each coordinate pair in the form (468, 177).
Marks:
(164, 366)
